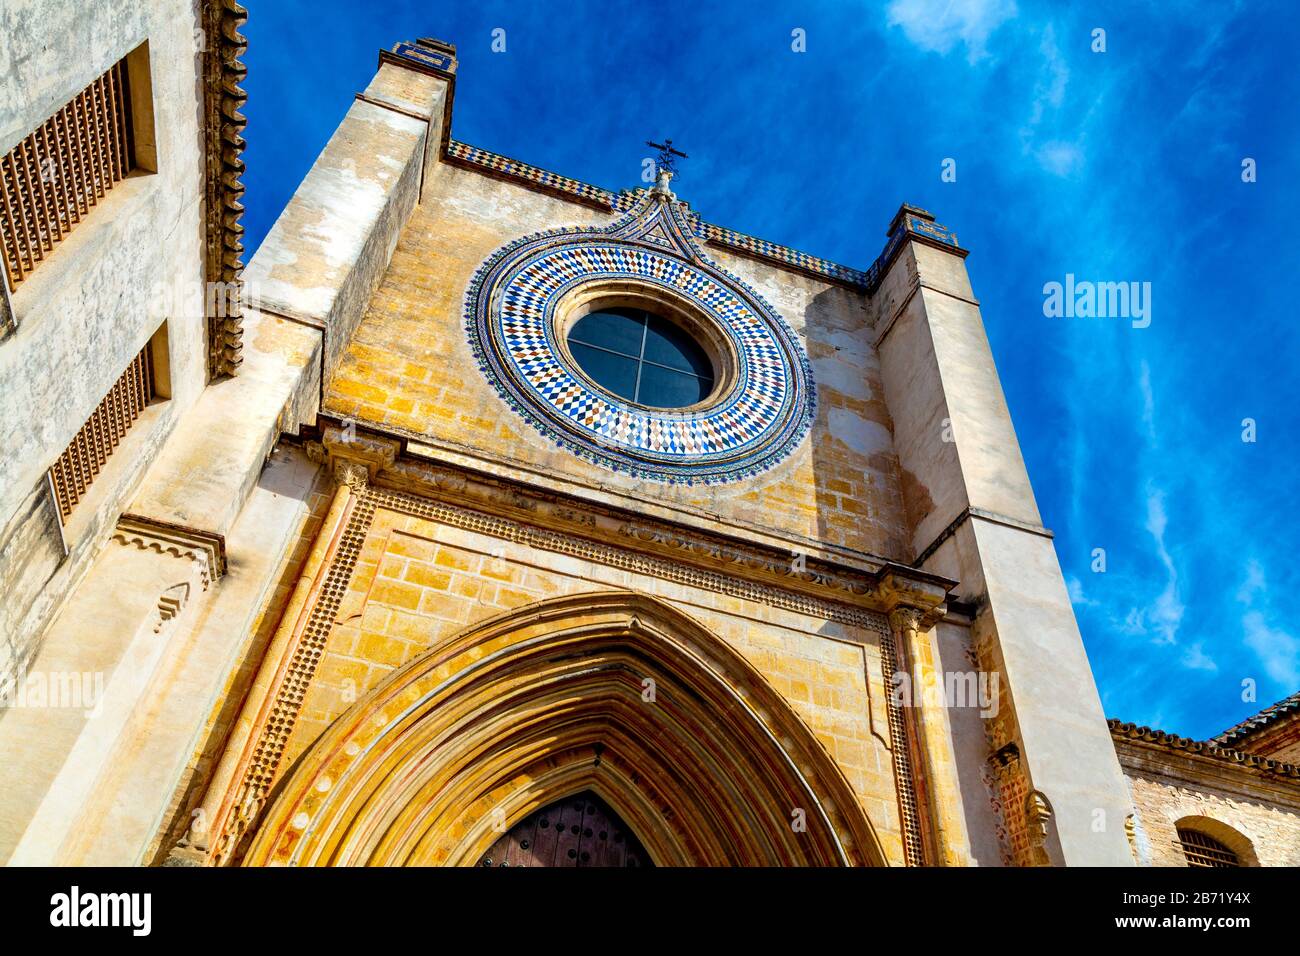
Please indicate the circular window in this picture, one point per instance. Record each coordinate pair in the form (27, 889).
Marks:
(629, 347)
(641, 357)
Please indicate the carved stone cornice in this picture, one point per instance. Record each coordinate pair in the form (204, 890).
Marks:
(224, 124)
(878, 586)
(915, 596)
(346, 449)
(610, 551)
(793, 568)
(204, 547)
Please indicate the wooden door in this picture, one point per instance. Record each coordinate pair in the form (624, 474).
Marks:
(577, 831)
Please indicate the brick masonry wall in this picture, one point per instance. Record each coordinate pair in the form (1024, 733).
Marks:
(1169, 787)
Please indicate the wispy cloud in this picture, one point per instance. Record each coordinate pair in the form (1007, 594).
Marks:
(1044, 134)
(1278, 651)
(1195, 658)
(938, 26)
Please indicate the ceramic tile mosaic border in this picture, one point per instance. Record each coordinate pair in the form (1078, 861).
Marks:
(509, 310)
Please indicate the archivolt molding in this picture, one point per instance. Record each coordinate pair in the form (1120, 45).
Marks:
(612, 691)
(242, 804)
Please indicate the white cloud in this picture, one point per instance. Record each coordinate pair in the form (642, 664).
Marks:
(1166, 614)
(1254, 583)
(1058, 158)
(1196, 659)
(940, 25)
(1050, 88)
(1277, 650)
(1148, 399)
(1077, 597)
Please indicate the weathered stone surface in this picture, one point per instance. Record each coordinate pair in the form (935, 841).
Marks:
(213, 460)
(328, 250)
(1257, 815)
(409, 368)
(957, 447)
(134, 261)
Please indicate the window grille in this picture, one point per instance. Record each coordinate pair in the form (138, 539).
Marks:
(50, 181)
(1202, 850)
(83, 459)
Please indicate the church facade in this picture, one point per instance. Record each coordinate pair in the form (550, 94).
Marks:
(489, 517)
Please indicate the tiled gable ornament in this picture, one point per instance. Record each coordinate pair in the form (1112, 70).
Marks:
(526, 296)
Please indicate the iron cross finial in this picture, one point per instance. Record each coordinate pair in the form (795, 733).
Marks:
(667, 158)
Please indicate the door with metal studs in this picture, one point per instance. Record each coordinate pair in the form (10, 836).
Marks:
(579, 830)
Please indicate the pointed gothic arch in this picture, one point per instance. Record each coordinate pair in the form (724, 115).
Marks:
(614, 693)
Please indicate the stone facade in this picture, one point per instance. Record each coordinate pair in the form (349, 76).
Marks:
(388, 589)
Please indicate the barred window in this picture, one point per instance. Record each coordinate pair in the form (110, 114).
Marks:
(145, 378)
(1202, 850)
(50, 181)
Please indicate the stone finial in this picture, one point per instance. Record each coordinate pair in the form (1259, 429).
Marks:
(661, 190)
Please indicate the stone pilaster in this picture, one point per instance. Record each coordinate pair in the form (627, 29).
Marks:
(973, 518)
(246, 770)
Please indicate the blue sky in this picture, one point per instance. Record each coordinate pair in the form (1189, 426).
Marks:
(1123, 165)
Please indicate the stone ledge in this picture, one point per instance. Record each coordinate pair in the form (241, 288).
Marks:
(211, 462)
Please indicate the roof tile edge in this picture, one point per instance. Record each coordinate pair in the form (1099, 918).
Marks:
(1129, 731)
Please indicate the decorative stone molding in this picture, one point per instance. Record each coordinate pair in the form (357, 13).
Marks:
(901, 757)
(258, 759)
(879, 587)
(208, 549)
(356, 476)
(771, 562)
(628, 559)
(224, 125)
(906, 621)
(171, 601)
(1038, 826)
(914, 595)
(348, 449)
(450, 741)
